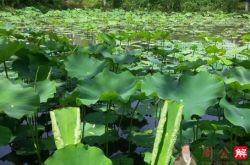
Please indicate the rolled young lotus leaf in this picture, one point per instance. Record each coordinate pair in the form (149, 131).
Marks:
(66, 126)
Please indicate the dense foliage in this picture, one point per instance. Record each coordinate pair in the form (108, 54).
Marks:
(130, 91)
(165, 5)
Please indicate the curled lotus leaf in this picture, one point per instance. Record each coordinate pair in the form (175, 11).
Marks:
(236, 115)
(238, 78)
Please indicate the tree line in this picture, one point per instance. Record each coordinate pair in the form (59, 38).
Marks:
(166, 5)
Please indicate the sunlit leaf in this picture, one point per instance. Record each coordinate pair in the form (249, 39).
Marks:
(78, 155)
(166, 134)
(66, 126)
(197, 92)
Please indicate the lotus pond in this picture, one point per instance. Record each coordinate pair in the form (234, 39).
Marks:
(116, 87)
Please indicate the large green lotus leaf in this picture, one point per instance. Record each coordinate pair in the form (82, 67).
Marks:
(197, 92)
(107, 86)
(66, 126)
(238, 78)
(166, 134)
(17, 101)
(5, 135)
(158, 85)
(82, 66)
(237, 116)
(27, 70)
(8, 48)
(78, 155)
(46, 89)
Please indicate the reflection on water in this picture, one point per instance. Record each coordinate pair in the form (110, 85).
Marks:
(6, 162)
(4, 150)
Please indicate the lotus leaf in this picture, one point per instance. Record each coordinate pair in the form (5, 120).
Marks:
(81, 66)
(46, 89)
(93, 130)
(66, 126)
(78, 155)
(5, 135)
(17, 101)
(101, 117)
(8, 48)
(237, 116)
(107, 86)
(238, 78)
(197, 92)
(167, 129)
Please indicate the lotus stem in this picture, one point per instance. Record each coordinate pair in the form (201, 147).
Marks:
(197, 128)
(106, 127)
(181, 133)
(231, 138)
(6, 70)
(131, 123)
(37, 141)
(83, 113)
(33, 126)
(156, 115)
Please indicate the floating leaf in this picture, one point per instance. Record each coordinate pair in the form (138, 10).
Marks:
(78, 155)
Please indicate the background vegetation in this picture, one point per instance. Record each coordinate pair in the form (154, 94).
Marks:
(165, 5)
(124, 86)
